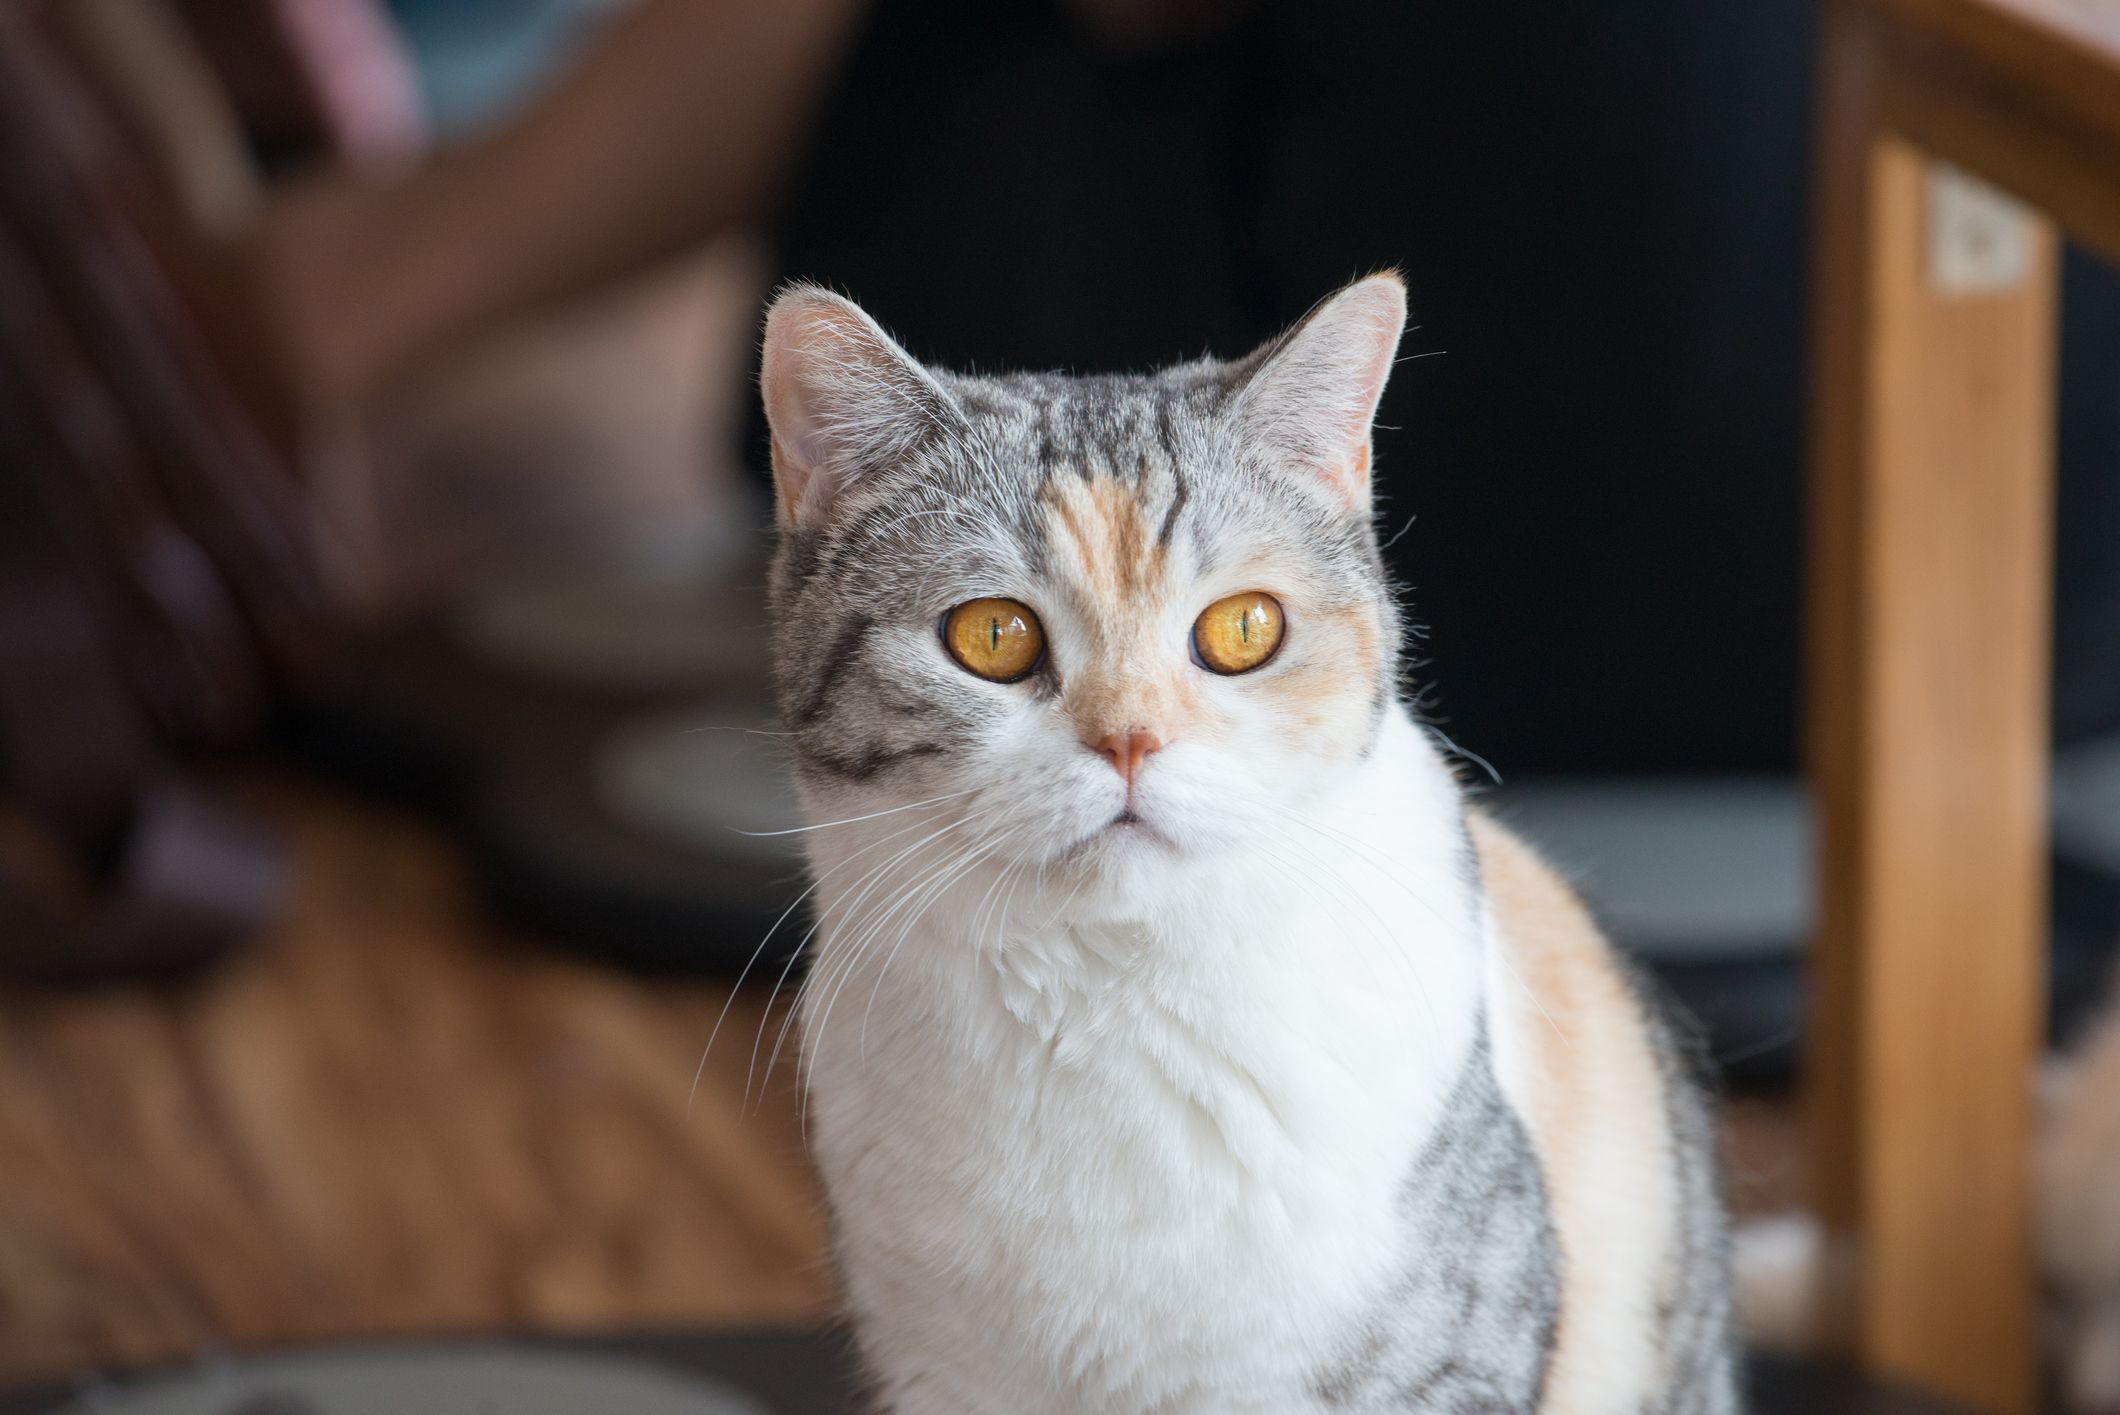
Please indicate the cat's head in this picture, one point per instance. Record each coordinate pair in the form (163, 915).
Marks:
(1109, 624)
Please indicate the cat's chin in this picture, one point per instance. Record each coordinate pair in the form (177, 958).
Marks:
(1126, 836)
(1125, 851)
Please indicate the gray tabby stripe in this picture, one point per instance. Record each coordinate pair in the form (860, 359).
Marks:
(1469, 1324)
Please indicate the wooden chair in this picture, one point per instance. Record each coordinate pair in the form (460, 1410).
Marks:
(1931, 601)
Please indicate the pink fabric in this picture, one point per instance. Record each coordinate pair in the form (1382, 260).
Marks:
(361, 75)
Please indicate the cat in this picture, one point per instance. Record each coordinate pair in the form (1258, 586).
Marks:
(1177, 1038)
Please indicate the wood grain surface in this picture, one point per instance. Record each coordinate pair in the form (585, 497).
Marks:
(1931, 583)
(2066, 51)
(387, 1117)
(2026, 93)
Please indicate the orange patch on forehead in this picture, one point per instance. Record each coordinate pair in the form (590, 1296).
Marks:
(1115, 543)
(1135, 676)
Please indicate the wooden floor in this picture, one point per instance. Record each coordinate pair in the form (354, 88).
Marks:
(386, 1117)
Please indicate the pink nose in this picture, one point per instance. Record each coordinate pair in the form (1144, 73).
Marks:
(1127, 750)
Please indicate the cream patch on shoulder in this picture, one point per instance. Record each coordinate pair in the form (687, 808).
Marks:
(1581, 1069)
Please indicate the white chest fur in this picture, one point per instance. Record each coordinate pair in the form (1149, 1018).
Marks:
(1149, 1163)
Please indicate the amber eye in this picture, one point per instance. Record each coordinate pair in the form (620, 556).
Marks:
(1237, 634)
(998, 639)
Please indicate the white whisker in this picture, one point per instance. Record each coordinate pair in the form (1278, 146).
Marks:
(851, 820)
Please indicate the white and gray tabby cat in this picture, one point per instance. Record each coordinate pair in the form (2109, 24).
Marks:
(1178, 1040)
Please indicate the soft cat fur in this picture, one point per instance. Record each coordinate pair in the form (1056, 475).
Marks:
(1270, 1078)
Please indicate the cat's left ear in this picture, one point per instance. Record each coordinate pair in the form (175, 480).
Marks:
(1311, 394)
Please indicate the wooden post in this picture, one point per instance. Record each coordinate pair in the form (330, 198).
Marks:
(1930, 603)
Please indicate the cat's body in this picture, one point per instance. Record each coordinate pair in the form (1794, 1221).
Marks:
(1178, 1040)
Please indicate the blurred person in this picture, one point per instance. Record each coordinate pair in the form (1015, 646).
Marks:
(187, 355)
(285, 315)
(679, 124)
(673, 127)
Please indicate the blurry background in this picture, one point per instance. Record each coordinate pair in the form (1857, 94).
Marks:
(382, 517)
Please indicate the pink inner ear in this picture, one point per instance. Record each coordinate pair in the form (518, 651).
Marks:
(793, 486)
(1316, 395)
(806, 341)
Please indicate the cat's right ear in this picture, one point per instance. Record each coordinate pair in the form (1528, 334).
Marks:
(841, 399)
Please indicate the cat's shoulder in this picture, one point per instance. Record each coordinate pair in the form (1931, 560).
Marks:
(1567, 997)
(1563, 971)
(1543, 921)
(1588, 1059)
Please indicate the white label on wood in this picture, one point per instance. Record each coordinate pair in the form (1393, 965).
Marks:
(1980, 241)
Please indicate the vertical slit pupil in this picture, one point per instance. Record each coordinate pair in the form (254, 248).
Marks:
(1244, 626)
(993, 627)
